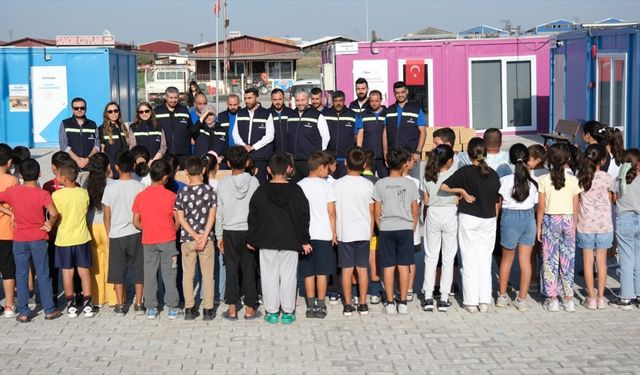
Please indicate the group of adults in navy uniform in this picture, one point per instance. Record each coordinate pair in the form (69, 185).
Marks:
(172, 128)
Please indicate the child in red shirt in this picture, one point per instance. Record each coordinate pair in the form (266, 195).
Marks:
(154, 215)
(30, 238)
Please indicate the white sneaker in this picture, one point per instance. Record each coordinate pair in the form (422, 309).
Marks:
(521, 305)
(390, 309)
(503, 301)
(483, 307)
(374, 300)
(403, 309)
(471, 308)
(551, 305)
(410, 295)
(569, 305)
(10, 311)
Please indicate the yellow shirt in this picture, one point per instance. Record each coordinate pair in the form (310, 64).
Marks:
(559, 202)
(72, 204)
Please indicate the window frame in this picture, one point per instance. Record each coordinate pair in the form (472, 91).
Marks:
(429, 72)
(612, 56)
(503, 90)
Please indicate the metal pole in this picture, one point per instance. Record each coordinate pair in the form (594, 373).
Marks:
(217, 63)
(366, 19)
(226, 56)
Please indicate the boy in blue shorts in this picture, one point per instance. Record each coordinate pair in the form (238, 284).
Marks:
(73, 240)
(396, 213)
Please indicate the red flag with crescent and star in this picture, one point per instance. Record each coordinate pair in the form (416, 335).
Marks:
(414, 72)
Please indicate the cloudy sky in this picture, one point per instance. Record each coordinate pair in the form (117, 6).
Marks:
(193, 20)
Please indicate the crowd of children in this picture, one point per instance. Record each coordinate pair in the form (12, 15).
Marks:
(357, 234)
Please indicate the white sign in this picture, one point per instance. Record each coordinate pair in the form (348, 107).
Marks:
(19, 98)
(85, 40)
(376, 74)
(49, 88)
(347, 48)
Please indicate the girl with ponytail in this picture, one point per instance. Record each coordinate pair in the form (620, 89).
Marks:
(141, 170)
(478, 186)
(627, 194)
(595, 225)
(519, 193)
(441, 227)
(556, 218)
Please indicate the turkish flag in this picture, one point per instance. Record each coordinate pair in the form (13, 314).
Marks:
(414, 71)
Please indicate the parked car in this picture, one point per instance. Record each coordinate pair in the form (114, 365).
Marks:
(160, 77)
(302, 85)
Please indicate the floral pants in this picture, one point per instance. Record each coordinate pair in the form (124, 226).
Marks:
(558, 254)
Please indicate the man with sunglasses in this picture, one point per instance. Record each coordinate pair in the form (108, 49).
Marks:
(78, 136)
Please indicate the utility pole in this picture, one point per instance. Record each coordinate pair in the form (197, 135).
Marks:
(226, 48)
(366, 19)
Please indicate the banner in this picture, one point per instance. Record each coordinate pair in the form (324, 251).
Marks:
(49, 90)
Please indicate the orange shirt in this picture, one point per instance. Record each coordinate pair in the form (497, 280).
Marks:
(6, 228)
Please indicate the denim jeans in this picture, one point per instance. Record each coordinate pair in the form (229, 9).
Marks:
(38, 251)
(628, 236)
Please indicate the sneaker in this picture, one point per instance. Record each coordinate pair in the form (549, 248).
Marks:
(334, 299)
(436, 292)
(472, 309)
(288, 318)
(409, 295)
(444, 305)
(72, 310)
(483, 307)
(310, 313)
(348, 310)
(152, 313)
(403, 309)
(271, 318)
(374, 300)
(590, 303)
(551, 305)
(191, 313)
(10, 311)
(356, 300)
(173, 313)
(624, 304)
(363, 309)
(139, 309)
(602, 303)
(119, 310)
(88, 310)
(503, 301)
(320, 312)
(390, 308)
(427, 305)
(520, 304)
(568, 305)
(207, 314)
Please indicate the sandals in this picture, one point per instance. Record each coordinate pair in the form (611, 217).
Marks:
(257, 314)
(225, 315)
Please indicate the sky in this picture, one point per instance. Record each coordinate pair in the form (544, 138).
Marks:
(193, 21)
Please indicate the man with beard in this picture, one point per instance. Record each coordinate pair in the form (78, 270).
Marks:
(254, 131)
(175, 121)
(361, 103)
(316, 99)
(280, 114)
(197, 111)
(405, 125)
(226, 120)
(308, 132)
(370, 127)
(341, 122)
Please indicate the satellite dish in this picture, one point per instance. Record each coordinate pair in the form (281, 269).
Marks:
(106, 32)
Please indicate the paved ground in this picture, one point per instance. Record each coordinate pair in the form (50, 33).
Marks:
(503, 341)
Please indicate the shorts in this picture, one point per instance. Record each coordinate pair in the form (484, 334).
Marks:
(7, 264)
(396, 248)
(321, 260)
(517, 227)
(353, 254)
(594, 240)
(68, 257)
(126, 252)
